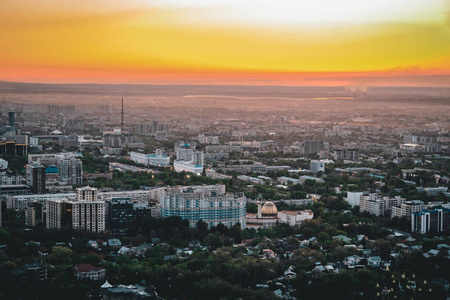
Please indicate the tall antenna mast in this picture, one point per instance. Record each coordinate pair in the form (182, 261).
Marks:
(121, 121)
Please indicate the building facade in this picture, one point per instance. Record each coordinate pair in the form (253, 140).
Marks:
(159, 159)
(70, 170)
(378, 205)
(208, 203)
(317, 166)
(120, 214)
(346, 154)
(187, 166)
(89, 272)
(433, 220)
(406, 209)
(34, 213)
(85, 213)
(35, 176)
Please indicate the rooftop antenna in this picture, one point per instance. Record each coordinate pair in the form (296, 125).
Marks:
(121, 121)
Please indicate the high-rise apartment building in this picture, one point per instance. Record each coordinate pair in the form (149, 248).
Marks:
(407, 208)
(35, 177)
(159, 159)
(434, 220)
(208, 203)
(188, 160)
(151, 128)
(379, 205)
(120, 214)
(87, 193)
(70, 170)
(317, 166)
(34, 213)
(86, 213)
(346, 154)
(311, 147)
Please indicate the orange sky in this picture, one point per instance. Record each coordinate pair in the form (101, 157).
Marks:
(265, 42)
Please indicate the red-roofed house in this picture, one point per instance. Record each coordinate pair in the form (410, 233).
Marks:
(88, 271)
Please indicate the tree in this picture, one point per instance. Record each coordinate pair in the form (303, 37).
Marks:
(323, 237)
(236, 232)
(60, 255)
(383, 246)
(307, 232)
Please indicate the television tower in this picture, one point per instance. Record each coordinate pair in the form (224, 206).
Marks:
(121, 120)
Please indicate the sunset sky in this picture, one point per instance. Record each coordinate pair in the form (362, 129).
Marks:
(260, 42)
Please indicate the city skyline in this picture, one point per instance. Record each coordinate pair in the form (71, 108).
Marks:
(321, 43)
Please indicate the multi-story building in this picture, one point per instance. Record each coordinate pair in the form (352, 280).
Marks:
(378, 205)
(70, 170)
(311, 147)
(223, 148)
(354, 198)
(188, 160)
(140, 212)
(202, 139)
(186, 166)
(68, 141)
(288, 180)
(269, 216)
(13, 148)
(11, 118)
(434, 190)
(113, 138)
(434, 220)
(58, 213)
(87, 193)
(346, 154)
(151, 128)
(35, 177)
(250, 179)
(317, 166)
(28, 274)
(34, 213)
(159, 159)
(9, 178)
(120, 214)
(86, 213)
(3, 164)
(208, 203)
(89, 272)
(44, 159)
(19, 202)
(407, 208)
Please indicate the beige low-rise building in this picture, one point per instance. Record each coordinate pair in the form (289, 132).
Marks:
(268, 216)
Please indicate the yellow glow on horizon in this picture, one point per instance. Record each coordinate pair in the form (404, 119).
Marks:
(226, 37)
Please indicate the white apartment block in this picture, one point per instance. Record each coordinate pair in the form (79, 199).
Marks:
(317, 166)
(378, 205)
(354, 198)
(295, 217)
(20, 202)
(187, 166)
(159, 159)
(86, 213)
(209, 203)
(407, 208)
(87, 193)
(70, 170)
(250, 179)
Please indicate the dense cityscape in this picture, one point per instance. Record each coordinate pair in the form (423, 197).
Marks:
(224, 149)
(109, 196)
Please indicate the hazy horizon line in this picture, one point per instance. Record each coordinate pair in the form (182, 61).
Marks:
(225, 84)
